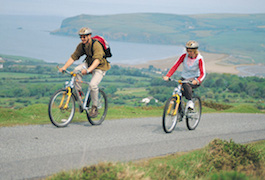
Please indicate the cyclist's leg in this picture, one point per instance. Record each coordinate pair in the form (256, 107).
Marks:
(97, 76)
(188, 90)
(188, 93)
(79, 77)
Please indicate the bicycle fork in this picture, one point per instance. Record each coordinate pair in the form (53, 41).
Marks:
(69, 93)
(176, 106)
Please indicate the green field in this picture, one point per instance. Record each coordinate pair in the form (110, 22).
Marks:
(38, 114)
(26, 89)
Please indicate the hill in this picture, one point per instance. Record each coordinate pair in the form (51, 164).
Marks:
(241, 35)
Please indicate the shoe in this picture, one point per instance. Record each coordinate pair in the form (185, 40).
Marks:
(93, 112)
(190, 105)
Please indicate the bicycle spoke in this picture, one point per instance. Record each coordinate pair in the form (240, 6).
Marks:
(62, 104)
(170, 115)
(59, 116)
(194, 116)
(102, 109)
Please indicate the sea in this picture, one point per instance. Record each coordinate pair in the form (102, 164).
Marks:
(29, 36)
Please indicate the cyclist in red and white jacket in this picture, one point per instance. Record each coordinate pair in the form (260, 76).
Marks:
(193, 69)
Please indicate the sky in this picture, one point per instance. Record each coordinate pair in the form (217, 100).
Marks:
(68, 8)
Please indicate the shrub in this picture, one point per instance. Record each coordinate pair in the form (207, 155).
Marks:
(229, 156)
(216, 106)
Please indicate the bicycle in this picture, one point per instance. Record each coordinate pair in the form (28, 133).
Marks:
(62, 103)
(176, 110)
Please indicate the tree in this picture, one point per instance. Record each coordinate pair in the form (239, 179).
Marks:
(219, 83)
(110, 89)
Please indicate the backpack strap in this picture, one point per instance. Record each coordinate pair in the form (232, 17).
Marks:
(93, 41)
(83, 46)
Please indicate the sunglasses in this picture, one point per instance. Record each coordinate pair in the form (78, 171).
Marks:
(81, 37)
(189, 50)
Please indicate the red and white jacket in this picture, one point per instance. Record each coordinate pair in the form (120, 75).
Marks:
(192, 68)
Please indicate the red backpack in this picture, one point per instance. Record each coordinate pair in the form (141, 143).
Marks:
(104, 44)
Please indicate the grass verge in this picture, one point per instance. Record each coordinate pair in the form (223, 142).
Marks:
(38, 113)
(219, 160)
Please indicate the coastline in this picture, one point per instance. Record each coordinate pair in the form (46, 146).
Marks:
(214, 63)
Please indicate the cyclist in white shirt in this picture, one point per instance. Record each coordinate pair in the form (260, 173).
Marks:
(193, 70)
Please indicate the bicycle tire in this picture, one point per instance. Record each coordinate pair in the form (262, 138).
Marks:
(169, 121)
(193, 117)
(61, 117)
(102, 109)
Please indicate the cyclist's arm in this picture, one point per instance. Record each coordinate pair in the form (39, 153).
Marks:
(202, 71)
(97, 58)
(69, 62)
(93, 66)
(176, 65)
(79, 51)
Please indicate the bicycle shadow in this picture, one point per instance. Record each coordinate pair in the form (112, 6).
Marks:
(85, 124)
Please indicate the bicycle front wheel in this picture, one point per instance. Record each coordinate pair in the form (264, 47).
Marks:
(61, 113)
(102, 109)
(193, 117)
(170, 115)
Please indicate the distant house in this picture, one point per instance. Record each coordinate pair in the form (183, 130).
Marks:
(1, 63)
(148, 99)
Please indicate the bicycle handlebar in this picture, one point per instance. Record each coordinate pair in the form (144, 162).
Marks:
(68, 72)
(181, 81)
(71, 73)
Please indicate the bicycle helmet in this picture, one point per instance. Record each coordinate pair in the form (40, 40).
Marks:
(192, 45)
(85, 31)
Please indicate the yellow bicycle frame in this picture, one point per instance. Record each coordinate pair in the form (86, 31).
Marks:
(69, 93)
(176, 107)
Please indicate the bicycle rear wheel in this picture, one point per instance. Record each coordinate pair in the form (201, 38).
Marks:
(193, 117)
(61, 115)
(102, 109)
(170, 115)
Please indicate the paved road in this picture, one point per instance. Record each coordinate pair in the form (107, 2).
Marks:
(40, 150)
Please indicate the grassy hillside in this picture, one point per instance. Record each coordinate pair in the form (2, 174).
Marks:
(26, 82)
(241, 35)
(219, 160)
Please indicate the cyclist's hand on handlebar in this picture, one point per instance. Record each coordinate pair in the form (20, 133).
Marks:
(84, 71)
(194, 82)
(166, 78)
(62, 70)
